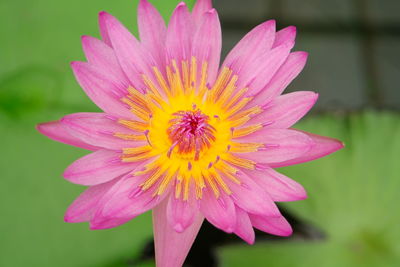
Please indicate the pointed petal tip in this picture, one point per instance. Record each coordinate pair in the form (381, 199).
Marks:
(269, 23)
(144, 5)
(75, 65)
(292, 29)
(181, 4)
(338, 145)
(250, 240)
(179, 228)
(105, 16)
(41, 127)
(84, 37)
(171, 248)
(286, 232)
(68, 218)
(314, 97)
(303, 54)
(103, 13)
(212, 11)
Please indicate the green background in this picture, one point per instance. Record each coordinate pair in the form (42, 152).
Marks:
(353, 194)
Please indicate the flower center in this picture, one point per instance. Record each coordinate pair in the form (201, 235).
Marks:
(190, 132)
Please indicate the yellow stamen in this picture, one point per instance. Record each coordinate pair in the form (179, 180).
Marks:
(161, 81)
(134, 125)
(246, 130)
(240, 162)
(193, 71)
(186, 78)
(131, 137)
(235, 98)
(245, 147)
(203, 80)
(136, 109)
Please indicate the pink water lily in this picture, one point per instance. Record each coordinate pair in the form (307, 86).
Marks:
(184, 136)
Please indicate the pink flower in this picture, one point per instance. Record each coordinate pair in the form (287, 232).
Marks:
(182, 135)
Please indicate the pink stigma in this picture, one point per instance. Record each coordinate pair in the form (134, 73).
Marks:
(191, 132)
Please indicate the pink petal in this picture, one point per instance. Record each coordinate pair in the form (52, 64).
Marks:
(181, 213)
(207, 43)
(219, 212)
(200, 7)
(96, 168)
(124, 201)
(244, 228)
(55, 130)
(103, 57)
(179, 35)
(285, 110)
(133, 59)
(101, 223)
(103, 29)
(322, 147)
(98, 129)
(171, 247)
(251, 197)
(262, 69)
(285, 35)
(278, 186)
(282, 78)
(271, 225)
(256, 43)
(102, 89)
(152, 30)
(82, 209)
(280, 145)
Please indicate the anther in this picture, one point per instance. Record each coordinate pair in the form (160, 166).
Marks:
(189, 166)
(267, 123)
(170, 149)
(110, 117)
(146, 133)
(268, 146)
(261, 167)
(245, 185)
(135, 193)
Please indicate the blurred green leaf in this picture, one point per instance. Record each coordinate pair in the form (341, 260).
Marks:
(28, 90)
(353, 198)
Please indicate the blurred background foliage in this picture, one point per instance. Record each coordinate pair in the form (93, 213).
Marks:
(351, 216)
